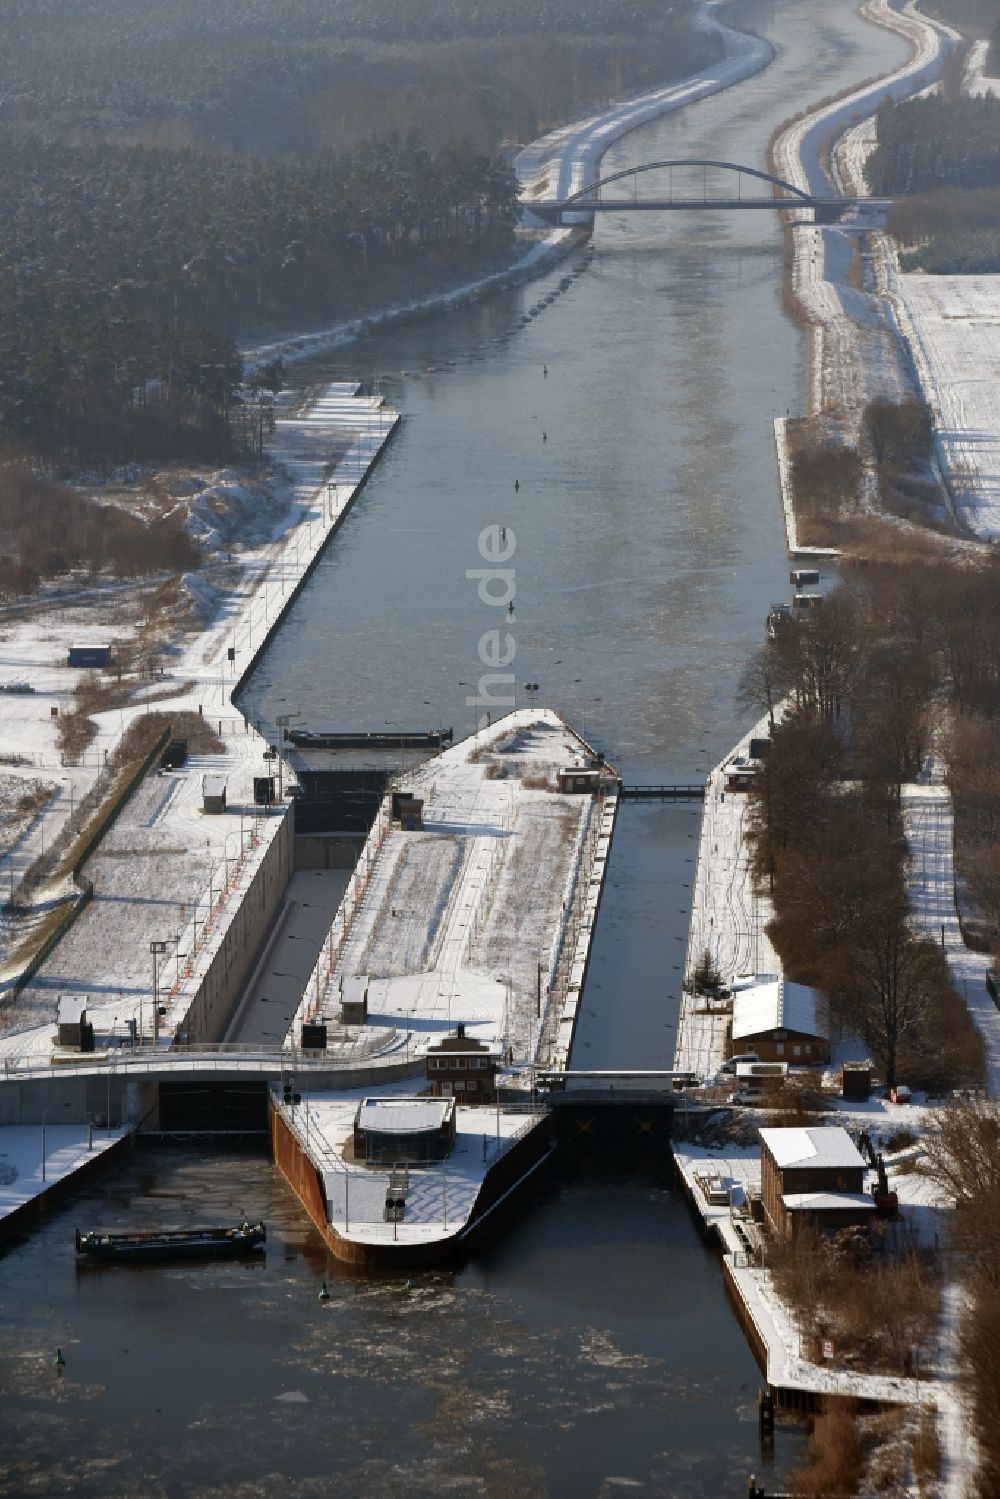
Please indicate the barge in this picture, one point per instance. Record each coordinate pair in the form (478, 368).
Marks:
(171, 1244)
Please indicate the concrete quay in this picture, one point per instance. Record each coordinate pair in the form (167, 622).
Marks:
(475, 922)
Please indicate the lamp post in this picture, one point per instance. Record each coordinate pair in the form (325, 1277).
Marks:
(429, 702)
(157, 947)
(282, 720)
(331, 912)
(45, 1120)
(402, 753)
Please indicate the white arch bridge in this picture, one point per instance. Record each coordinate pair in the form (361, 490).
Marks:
(827, 208)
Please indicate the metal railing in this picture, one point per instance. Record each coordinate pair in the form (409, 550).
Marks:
(223, 1054)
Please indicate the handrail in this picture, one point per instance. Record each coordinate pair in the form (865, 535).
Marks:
(154, 1058)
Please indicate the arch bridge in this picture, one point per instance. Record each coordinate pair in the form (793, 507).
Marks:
(590, 200)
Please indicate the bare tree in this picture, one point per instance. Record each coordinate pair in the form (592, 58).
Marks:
(887, 980)
(962, 1155)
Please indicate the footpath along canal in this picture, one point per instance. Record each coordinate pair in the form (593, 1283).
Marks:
(590, 1346)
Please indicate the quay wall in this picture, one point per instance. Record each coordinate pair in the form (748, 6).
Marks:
(570, 968)
(19, 1218)
(332, 526)
(499, 1186)
(246, 933)
(112, 1099)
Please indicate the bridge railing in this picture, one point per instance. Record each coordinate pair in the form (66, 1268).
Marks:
(231, 1054)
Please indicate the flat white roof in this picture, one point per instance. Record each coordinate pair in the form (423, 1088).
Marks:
(829, 1146)
(70, 1009)
(213, 785)
(778, 1005)
(400, 1116)
(804, 1202)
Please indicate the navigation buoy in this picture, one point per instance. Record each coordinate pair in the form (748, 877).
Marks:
(545, 437)
(60, 1362)
(517, 485)
(324, 1291)
(545, 369)
(510, 608)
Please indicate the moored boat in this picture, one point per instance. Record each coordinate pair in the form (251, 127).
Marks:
(169, 1244)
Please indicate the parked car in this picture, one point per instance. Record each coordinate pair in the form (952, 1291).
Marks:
(744, 1056)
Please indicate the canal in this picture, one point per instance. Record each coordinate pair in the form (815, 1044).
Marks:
(589, 1347)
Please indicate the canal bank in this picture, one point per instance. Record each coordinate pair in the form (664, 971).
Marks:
(648, 534)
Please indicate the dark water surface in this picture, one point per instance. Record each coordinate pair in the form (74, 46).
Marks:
(589, 1349)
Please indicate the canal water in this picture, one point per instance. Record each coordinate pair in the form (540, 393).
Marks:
(589, 1348)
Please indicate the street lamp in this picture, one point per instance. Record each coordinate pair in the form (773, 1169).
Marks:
(282, 720)
(430, 703)
(157, 947)
(402, 752)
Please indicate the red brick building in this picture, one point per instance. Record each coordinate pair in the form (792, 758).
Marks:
(460, 1066)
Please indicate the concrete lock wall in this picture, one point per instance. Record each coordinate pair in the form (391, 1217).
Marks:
(110, 1100)
(223, 983)
(333, 851)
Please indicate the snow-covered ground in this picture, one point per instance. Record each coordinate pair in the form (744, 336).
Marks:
(899, 334)
(977, 81)
(929, 827)
(567, 159)
(180, 874)
(787, 1367)
(856, 352)
(955, 326)
(34, 1158)
(464, 920)
(728, 917)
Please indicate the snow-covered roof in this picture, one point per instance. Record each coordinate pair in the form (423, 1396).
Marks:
(213, 785)
(826, 1202)
(71, 1009)
(400, 1116)
(828, 1146)
(778, 1005)
(353, 988)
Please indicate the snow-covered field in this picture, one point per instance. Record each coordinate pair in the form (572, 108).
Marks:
(955, 322)
(930, 834)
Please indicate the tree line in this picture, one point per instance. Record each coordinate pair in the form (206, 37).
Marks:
(898, 658)
(126, 272)
(182, 176)
(45, 531)
(939, 156)
(248, 76)
(895, 442)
